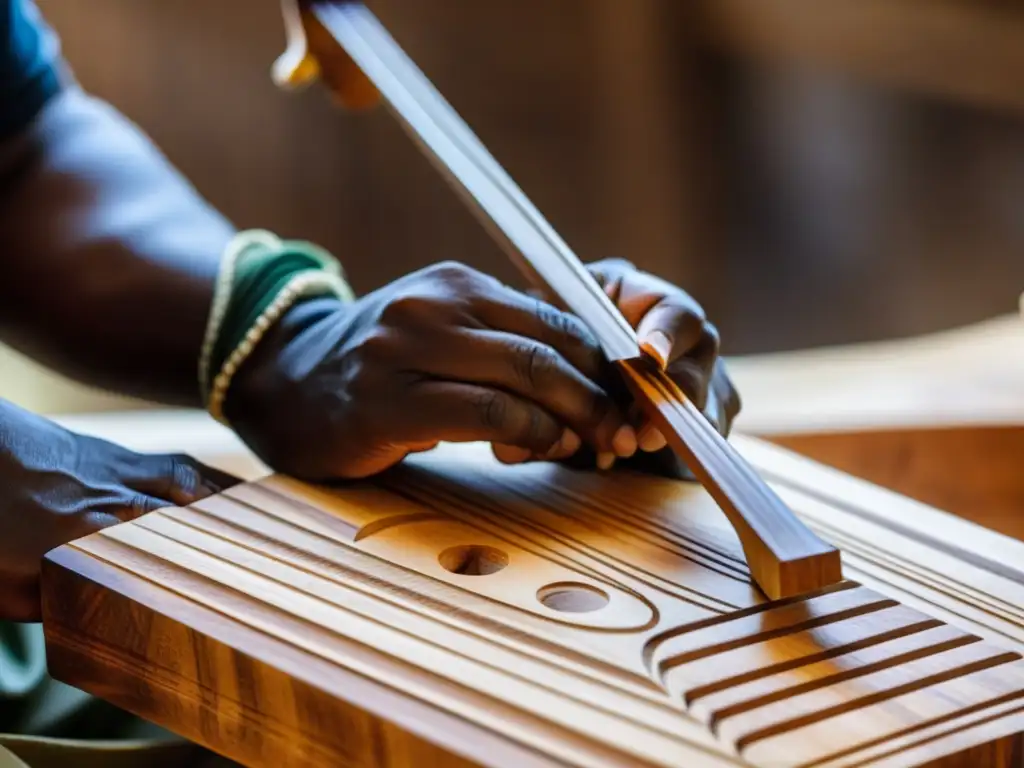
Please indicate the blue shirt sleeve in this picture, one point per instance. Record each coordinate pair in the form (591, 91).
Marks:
(31, 67)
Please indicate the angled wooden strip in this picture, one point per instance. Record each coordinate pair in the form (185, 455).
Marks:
(982, 562)
(924, 534)
(909, 712)
(504, 210)
(926, 594)
(930, 546)
(730, 670)
(785, 557)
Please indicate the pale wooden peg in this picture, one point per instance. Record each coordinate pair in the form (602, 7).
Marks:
(311, 54)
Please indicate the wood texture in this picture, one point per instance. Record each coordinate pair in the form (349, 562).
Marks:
(785, 558)
(339, 40)
(458, 611)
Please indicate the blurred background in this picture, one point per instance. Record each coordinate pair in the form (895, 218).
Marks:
(815, 173)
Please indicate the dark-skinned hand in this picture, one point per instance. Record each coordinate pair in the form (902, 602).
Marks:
(56, 486)
(448, 354)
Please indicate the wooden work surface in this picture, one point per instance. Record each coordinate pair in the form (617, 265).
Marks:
(460, 612)
(939, 418)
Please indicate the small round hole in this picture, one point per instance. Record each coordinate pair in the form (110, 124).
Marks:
(572, 597)
(473, 560)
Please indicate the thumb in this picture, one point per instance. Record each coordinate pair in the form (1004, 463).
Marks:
(670, 329)
(181, 479)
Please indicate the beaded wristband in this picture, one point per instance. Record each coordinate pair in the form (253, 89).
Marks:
(261, 277)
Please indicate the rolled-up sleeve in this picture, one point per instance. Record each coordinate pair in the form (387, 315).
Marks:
(31, 67)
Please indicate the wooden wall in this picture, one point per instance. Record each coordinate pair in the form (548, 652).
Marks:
(800, 205)
(562, 92)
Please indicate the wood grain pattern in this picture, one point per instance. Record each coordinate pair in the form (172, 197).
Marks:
(458, 611)
(342, 38)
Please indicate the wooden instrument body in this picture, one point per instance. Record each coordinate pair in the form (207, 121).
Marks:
(461, 612)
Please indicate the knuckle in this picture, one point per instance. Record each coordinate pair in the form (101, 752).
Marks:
(184, 474)
(139, 505)
(534, 431)
(363, 383)
(535, 363)
(453, 274)
(377, 346)
(599, 408)
(407, 308)
(561, 323)
(493, 409)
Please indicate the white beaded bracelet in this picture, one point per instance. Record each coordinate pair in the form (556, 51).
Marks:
(314, 282)
(222, 294)
(303, 285)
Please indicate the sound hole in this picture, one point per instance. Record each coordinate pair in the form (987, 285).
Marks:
(473, 560)
(572, 597)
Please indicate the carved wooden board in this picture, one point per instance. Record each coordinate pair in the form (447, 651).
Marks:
(459, 612)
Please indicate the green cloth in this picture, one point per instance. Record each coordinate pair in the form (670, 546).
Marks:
(46, 724)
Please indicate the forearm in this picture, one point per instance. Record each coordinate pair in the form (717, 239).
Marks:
(108, 255)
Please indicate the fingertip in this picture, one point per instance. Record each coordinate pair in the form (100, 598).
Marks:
(566, 446)
(570, 442)
(651, 439)
(605, 461)
(624, 442)
(510, 454)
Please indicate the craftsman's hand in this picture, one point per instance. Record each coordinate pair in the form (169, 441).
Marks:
(673, 330)
(444, 354)
(57, 486)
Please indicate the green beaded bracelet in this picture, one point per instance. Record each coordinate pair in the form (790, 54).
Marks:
(261, 276)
